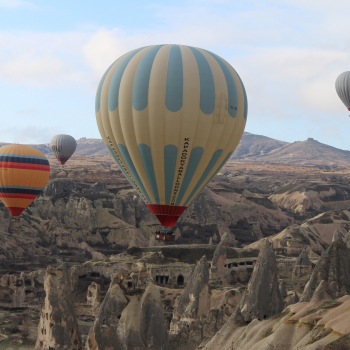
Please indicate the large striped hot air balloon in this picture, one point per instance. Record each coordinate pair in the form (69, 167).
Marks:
(24, 172)
(171, 116)
(63, 146)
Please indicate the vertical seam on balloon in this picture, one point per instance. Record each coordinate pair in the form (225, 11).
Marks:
(174, 80)
(125, 154)
(212, 121)
(215, 172)
(195, 157)
(147, 162)
(100, 85)
(122, 169)
(214, 159)
(207, 85)
(141, 80)
(169, 170)
(231, 86)
(114, 85)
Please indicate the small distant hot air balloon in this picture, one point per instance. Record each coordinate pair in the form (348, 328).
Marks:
(171, 116)
(24, 172)
(342, 86)
(63, 146)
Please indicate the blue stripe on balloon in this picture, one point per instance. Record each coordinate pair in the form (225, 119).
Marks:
(189, 199)
(113, 92)
(100, 85)
(170, 157)
(141, 81)
(129, 163)
(206, 172)
(121, 168)
(195, 157)
(207, 85)
(174, 80)
(245, 112)
(146, 157)
(231, 86)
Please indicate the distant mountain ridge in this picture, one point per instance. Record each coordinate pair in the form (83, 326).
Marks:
(262, 149)
(252, 148)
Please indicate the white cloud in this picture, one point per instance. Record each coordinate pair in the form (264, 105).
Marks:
(27, 135)
(102, 49)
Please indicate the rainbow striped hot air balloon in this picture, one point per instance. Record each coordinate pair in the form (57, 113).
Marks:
(171, 116)
(23, 175)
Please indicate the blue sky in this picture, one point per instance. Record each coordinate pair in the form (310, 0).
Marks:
(287, 52)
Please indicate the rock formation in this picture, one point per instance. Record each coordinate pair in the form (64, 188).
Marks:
(337, 236)
(93, 298)
(95, 255)
(58, 328)
(304, 326)
(195, 299)
(103, 334)
(142, 323)
(217, 269)
(303, 265)
(314, 234)
(282, 289)
(332, 268)
(129, 322)
(347, 239)
(293, 299)
(262, 298)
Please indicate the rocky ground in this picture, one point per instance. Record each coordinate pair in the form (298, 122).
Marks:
(88, 216)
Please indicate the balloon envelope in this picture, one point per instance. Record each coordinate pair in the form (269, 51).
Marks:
(171, 116)
(63, 146)
(24, 172)
(342, 86)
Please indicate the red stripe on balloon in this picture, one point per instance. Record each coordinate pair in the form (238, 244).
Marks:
(18, 195)
(24, 166)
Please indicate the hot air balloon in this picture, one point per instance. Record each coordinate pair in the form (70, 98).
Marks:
(24, 172)
(342, 86)
(63, 146)
(171, 116)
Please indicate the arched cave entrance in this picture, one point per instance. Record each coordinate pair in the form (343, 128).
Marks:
(180, 280)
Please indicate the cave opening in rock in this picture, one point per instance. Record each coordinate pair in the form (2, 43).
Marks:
(180, 280)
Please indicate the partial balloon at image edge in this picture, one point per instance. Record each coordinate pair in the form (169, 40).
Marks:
(19, 189)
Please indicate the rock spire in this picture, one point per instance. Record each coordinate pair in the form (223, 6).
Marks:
(103, 334)
(333, 268)
(217, 270)
(262, 298)
(58, 327)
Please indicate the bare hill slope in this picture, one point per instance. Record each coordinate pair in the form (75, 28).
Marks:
(252, 148)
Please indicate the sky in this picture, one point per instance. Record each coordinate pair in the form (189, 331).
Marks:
(287, 52)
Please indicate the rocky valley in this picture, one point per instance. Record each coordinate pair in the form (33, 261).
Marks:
(260, 259)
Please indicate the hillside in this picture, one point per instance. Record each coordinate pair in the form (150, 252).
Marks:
(252, 148)
(256, 148)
